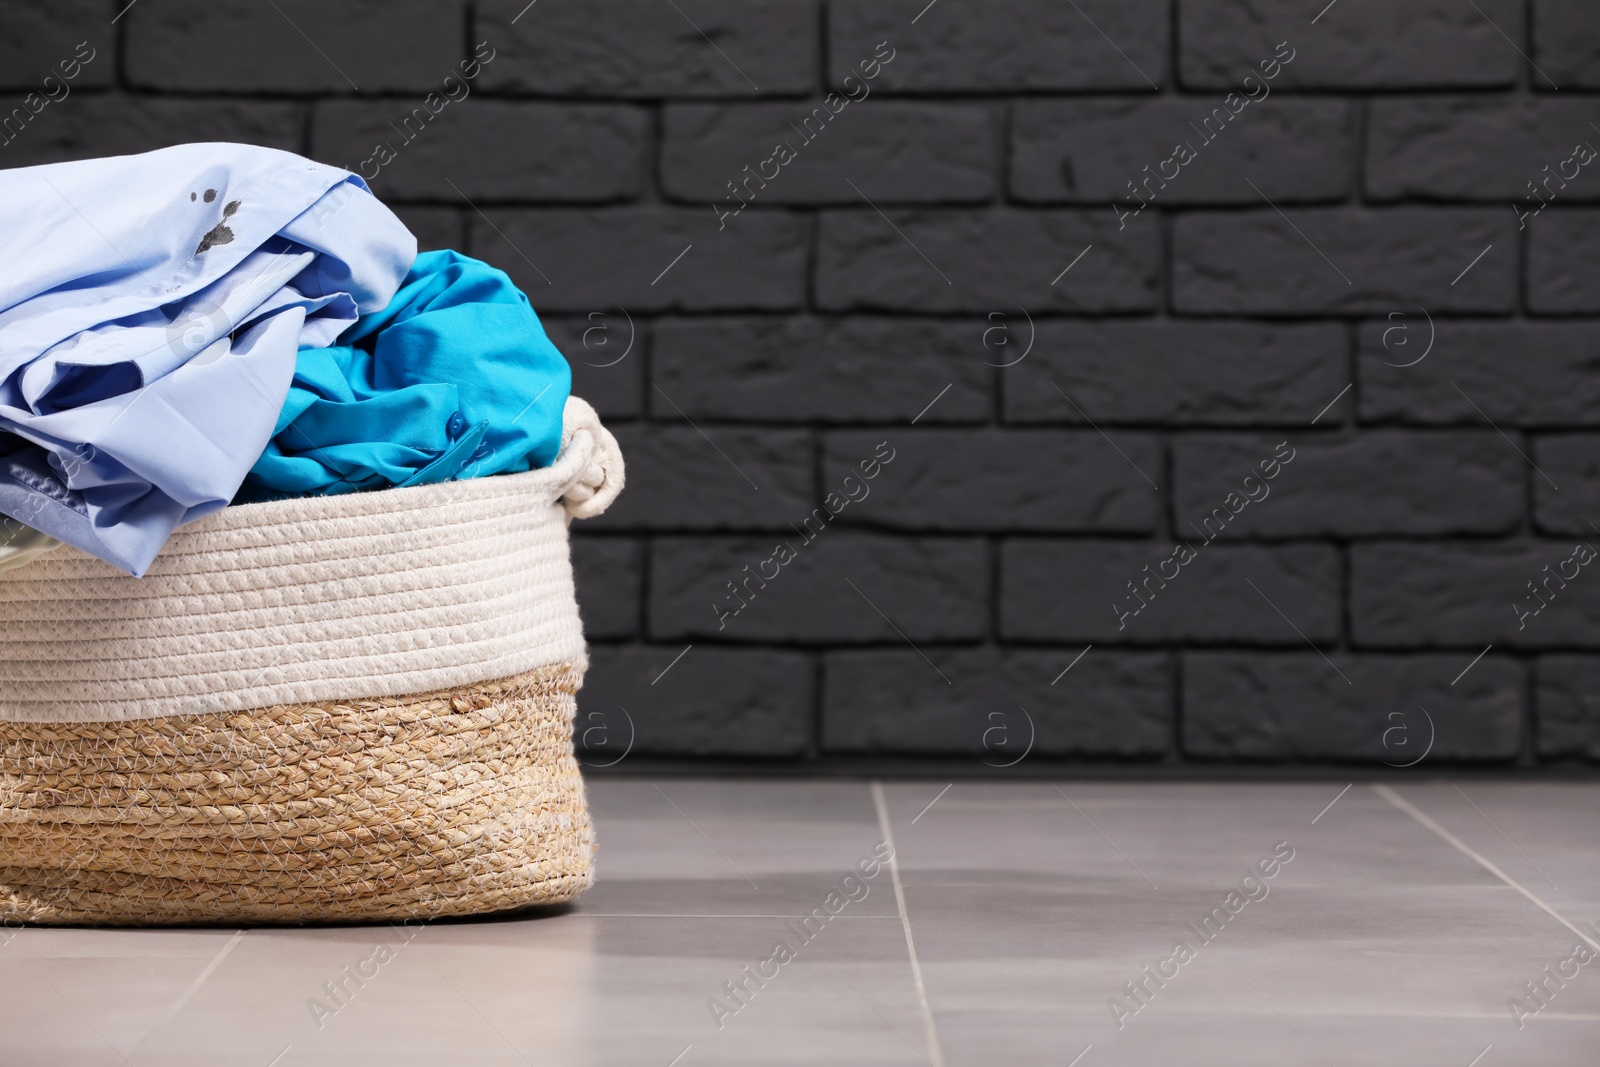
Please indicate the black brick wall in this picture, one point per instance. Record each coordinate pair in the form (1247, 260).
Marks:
(959, 250)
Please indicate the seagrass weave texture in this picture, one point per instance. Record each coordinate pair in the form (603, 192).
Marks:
(455, 802)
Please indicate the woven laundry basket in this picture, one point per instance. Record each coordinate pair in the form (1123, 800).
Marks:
(354, 707)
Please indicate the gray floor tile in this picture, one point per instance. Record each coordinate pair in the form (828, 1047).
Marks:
(697, 847)
(1031, 905)
(1376, 925)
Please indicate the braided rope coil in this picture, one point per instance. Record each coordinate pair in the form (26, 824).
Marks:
(455, 802)
(323, 598)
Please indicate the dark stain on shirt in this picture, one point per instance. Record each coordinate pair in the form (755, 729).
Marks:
(211, 194)
(221, 233)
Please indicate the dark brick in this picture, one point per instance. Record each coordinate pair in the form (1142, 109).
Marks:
(1358, 44)
(1370, 484)
(1000, 140)
(37, 38)
(1476, 148)
(998, 480)
(434, 227)
(1467, 595)
(1061, 590)
(1254, 706)
(1568, 707)
(609, 574)
(830, 370)
(738, 479)
(487, 149)
(986, 261)
(624, 258)
(1565, 504)
(1565, 44)
(1177, 373)
(1376, 261)
(641, 48)
(904, 151)
(605, 350)
(1002, 44)
(934, 589)
(999, 706)
(1556, 381)
(1296, 151)
(89, 127)
(712, 702)
(360, 46)
(1564, 262)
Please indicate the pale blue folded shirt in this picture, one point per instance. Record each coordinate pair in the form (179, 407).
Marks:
(157, 311)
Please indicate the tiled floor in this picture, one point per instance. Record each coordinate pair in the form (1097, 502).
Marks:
(1406, 919)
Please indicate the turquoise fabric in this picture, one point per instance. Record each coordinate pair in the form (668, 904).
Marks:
(454, 379)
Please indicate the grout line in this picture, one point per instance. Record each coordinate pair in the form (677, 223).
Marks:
(1301, 632)
(1102, 433)
(890, 1021)
(697, 429)
(1301, 232)
(901, 232)
(930, 1031)
(1406, 806)
(901, 632)
(1502, 834)
(1513, 44)
(1502, 433)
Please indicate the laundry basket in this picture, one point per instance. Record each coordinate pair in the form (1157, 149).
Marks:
(352, 707)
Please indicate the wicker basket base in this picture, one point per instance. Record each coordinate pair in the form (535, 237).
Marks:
(450, 803)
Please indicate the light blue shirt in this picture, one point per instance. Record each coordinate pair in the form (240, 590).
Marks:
(151, 309)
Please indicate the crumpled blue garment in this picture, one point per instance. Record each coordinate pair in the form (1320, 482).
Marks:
(454, 379)
(151, 310)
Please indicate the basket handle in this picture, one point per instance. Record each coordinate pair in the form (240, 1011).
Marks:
(591, 471)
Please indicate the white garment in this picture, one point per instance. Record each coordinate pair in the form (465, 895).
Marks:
(21, 544)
